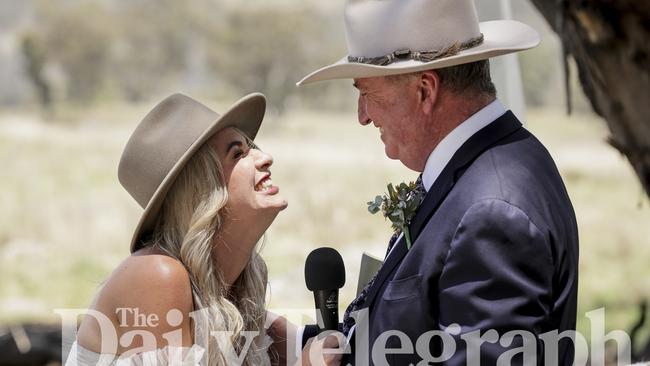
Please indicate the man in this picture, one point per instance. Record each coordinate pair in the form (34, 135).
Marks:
(494, 257)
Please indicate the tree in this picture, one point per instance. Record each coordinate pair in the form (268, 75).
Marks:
(608, 39)
(76, 38)
(267, 48)
(150, 47)
(34, 53)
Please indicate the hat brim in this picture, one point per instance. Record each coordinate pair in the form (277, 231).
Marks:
(246, 114)
(500, 37)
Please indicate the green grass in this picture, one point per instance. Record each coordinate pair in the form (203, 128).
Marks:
(65, 222)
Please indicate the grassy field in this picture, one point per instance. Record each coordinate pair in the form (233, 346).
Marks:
(65, 221)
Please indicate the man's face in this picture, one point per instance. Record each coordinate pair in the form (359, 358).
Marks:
(391, 106)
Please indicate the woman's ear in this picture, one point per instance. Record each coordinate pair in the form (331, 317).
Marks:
(428, 89)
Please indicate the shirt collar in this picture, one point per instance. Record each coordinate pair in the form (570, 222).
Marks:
(448, 146)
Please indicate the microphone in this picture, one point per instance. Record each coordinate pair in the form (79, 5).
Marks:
(325, 275)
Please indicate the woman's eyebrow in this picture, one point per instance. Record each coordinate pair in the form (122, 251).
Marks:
(233, 144)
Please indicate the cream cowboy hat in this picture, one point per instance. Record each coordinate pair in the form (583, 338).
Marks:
(167, 138)
(389, 37)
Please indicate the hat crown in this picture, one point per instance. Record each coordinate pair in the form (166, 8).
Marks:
(375, 28)
(161, 139)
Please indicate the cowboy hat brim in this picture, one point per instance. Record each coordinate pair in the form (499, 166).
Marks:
(246, 114)
(500, 37)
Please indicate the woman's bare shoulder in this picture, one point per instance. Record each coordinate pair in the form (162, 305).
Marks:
(145, 287)
(150, 279)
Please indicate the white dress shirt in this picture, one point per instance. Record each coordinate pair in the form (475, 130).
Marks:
(442, 154)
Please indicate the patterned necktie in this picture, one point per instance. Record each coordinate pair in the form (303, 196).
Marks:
(358, 303)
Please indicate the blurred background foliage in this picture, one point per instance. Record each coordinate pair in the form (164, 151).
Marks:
(101, 51)
(69, 52)
(77, 76)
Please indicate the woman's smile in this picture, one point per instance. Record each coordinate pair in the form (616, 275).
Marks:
(265, 185)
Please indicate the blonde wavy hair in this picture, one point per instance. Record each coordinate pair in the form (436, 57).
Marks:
(191, 215)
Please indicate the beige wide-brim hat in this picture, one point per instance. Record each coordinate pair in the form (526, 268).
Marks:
(167, 138)
(390, 37)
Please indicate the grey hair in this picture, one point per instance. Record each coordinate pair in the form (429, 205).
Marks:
(472, 78)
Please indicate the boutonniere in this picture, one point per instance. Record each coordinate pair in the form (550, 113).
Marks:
(399, 206)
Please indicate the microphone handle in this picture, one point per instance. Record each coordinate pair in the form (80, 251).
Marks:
(327, 301)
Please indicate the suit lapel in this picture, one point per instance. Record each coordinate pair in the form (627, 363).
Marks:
(468, 152)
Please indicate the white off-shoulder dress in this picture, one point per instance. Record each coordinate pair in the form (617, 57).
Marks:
(181, 356)
(176, 356)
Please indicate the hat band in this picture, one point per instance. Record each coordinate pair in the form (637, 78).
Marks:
(422, 56)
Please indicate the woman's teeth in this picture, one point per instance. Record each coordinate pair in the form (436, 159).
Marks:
(264, 185)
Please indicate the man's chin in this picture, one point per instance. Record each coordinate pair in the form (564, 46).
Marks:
(391, 154)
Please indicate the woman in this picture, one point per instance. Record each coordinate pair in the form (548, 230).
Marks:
(208, 198)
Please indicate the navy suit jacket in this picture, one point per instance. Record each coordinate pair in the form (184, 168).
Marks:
(495, 247)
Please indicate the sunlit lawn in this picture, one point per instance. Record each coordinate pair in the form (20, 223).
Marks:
(65, 221)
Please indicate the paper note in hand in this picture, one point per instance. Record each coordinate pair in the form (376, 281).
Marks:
(369, 266)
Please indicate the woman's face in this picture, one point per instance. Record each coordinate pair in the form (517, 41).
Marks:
(246, 169)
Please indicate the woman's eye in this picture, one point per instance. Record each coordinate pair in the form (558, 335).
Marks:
(240, 153)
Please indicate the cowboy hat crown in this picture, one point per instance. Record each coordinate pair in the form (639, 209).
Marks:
(389, 37)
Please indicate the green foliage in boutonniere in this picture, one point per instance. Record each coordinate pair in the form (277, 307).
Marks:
(399, 206)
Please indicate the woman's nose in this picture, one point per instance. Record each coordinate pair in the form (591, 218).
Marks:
(263, 160)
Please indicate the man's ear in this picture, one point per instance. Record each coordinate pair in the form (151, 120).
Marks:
(428, 90)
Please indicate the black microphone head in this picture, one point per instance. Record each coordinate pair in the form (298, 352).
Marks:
(324, 270)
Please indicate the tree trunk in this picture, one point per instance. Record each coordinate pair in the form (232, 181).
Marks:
(608, 40)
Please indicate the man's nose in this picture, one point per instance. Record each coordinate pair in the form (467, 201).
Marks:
(362, 112)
